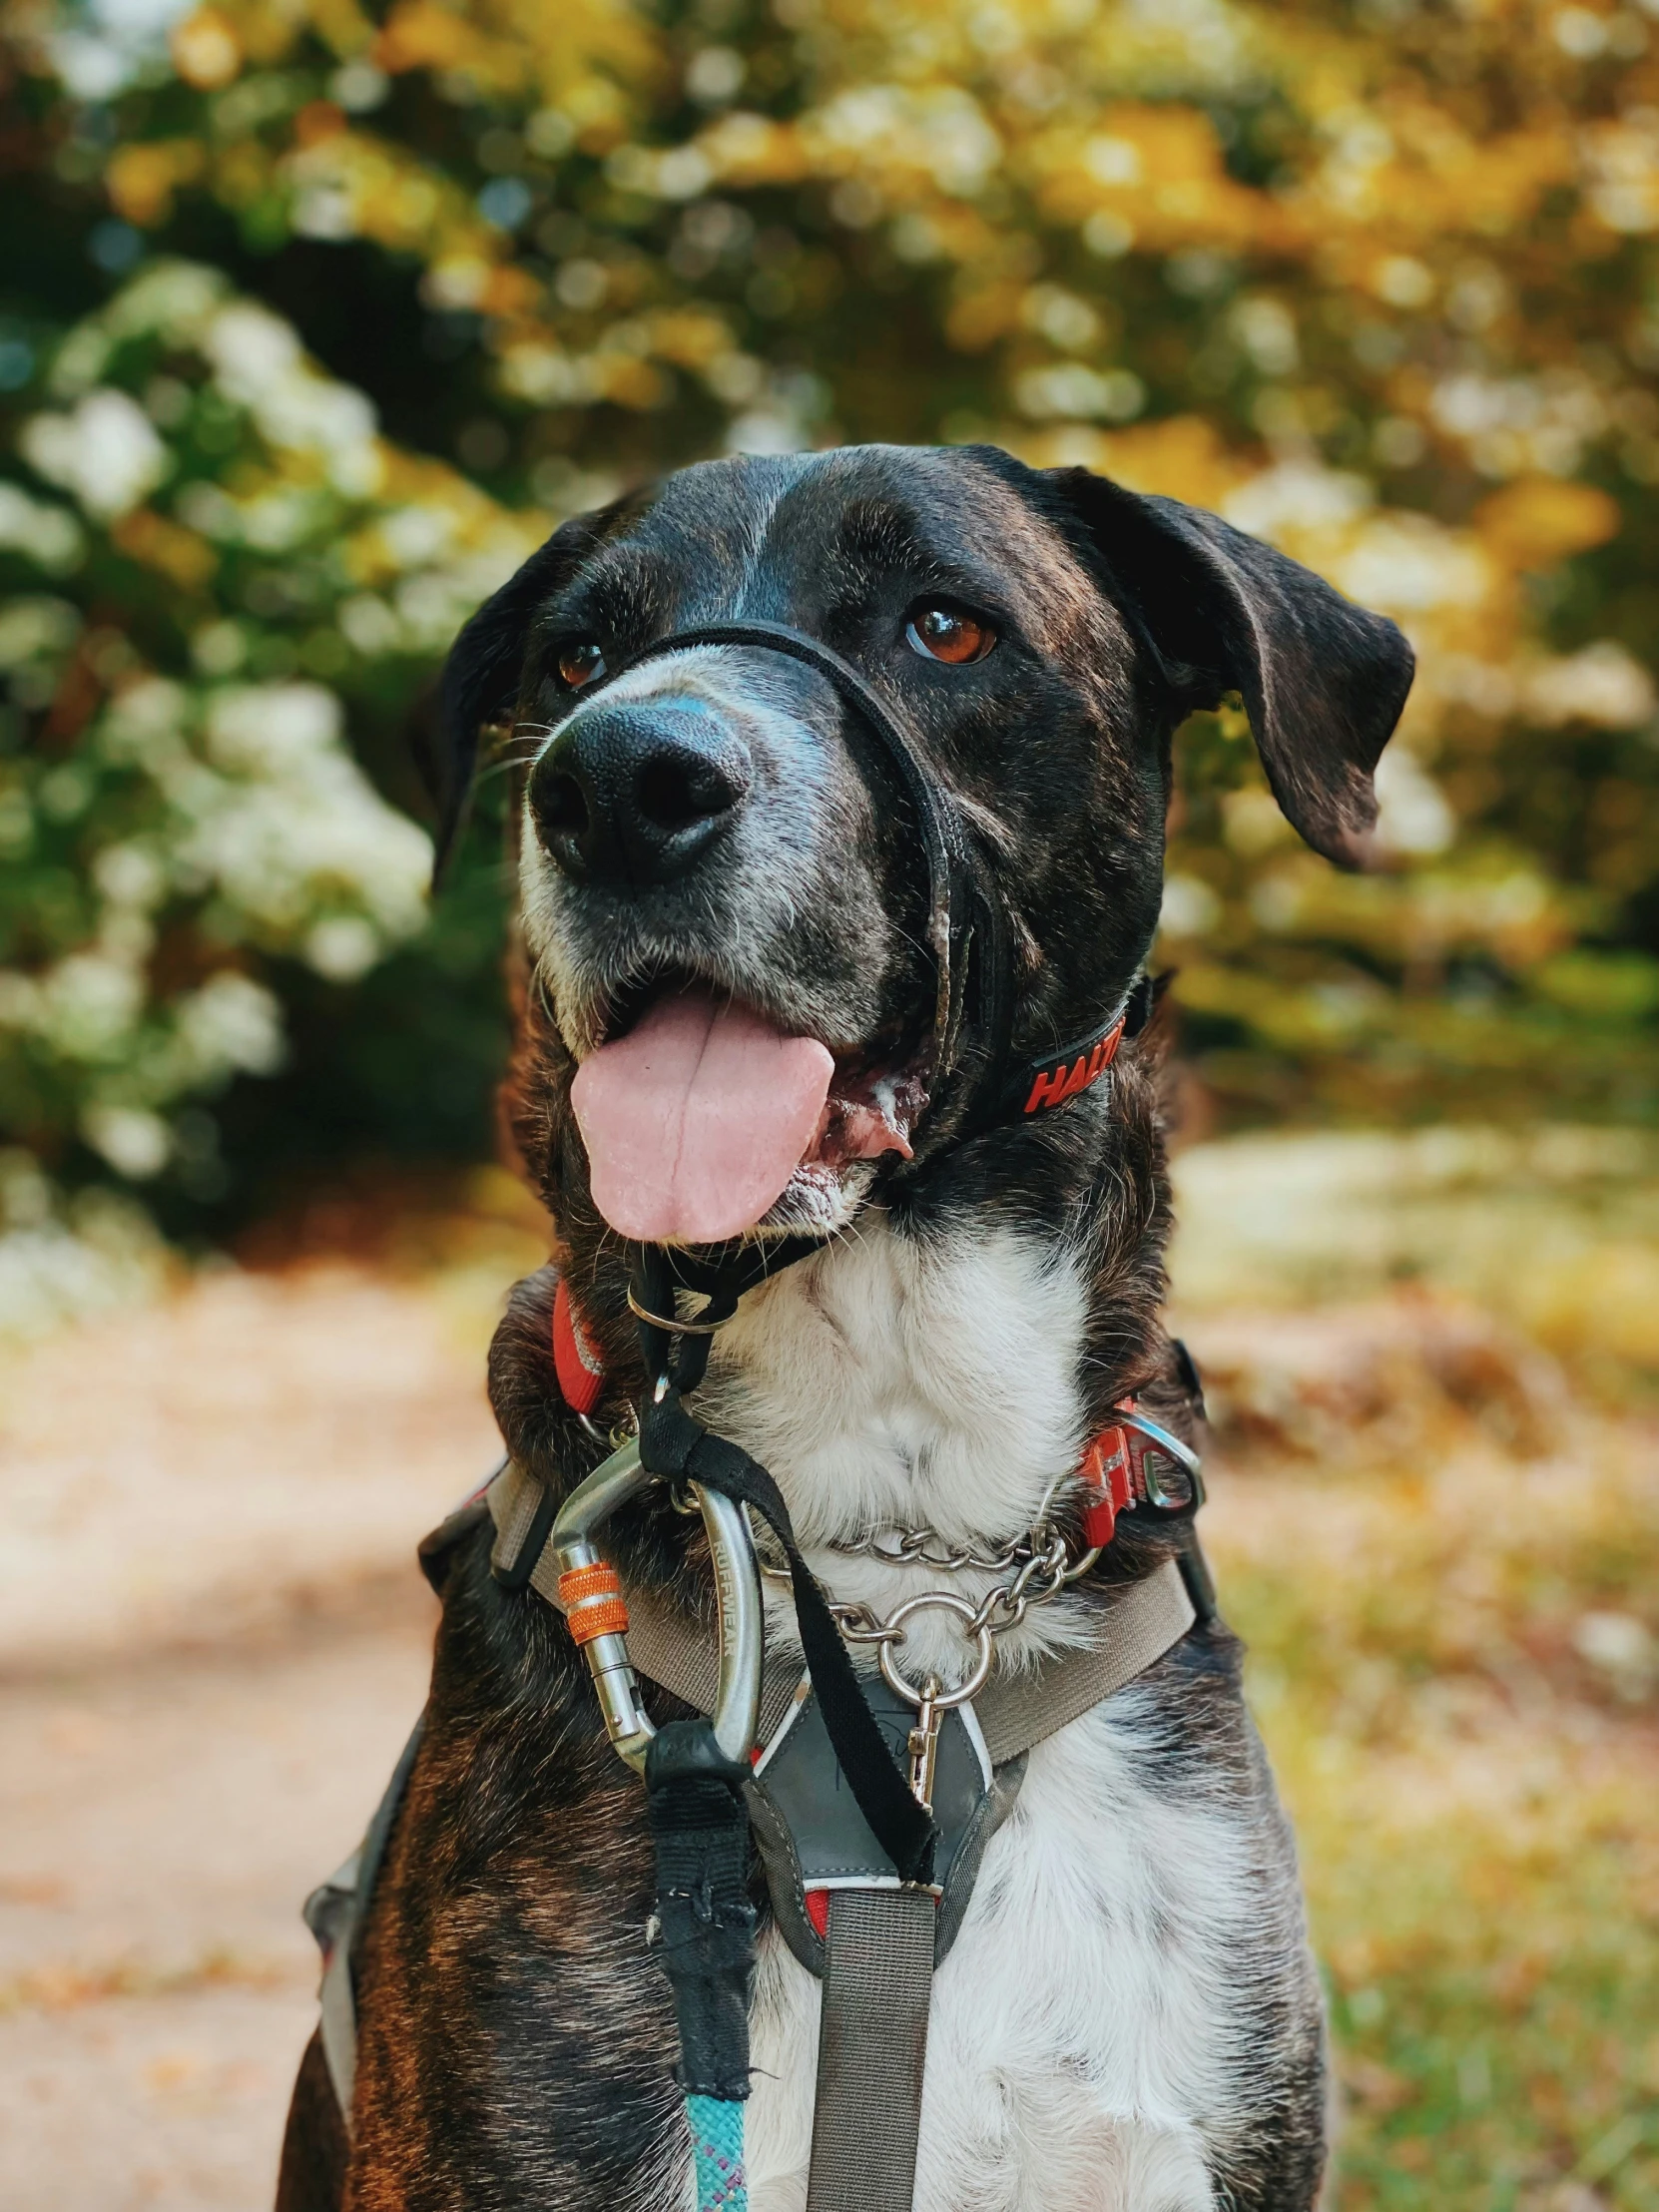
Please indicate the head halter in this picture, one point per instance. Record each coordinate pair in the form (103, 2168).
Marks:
(967, 931)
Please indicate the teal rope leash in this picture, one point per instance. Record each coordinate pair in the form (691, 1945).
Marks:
(702, 1936)
(716, 2151)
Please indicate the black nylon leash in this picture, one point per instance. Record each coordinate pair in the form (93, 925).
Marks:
(703, 1931)
(677, 1447)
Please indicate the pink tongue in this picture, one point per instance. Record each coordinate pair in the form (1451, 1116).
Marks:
(696, 1120)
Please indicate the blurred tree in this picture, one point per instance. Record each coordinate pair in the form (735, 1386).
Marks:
(1376, 281)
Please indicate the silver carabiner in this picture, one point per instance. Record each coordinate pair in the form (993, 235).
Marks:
(587, 1585)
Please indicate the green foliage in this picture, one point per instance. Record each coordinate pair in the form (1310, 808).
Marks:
(190, 842)
(314, 319)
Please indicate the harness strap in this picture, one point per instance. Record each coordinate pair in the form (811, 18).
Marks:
(872, 2050)
(337, 1999)
(672, 1443)
(878, 1982)
(335, 1912)
(1132, 1626)
(1021, 1706)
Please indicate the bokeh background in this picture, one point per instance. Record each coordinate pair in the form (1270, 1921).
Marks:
(313, 320)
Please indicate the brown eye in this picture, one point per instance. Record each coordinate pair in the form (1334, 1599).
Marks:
(580, 661)
(947, 634)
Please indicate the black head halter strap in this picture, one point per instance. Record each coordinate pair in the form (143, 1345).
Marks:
(969, 932)
(953, 902)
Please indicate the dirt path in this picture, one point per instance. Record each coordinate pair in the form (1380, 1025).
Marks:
(165, 1804)
(163, 1819)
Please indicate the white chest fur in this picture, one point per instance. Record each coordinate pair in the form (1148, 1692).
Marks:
(1083, 2045)
(893, 1380)
(892, 1383)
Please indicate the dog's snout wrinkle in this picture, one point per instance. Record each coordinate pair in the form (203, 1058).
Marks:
(637, 790)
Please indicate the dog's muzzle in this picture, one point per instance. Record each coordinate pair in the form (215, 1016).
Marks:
(645, 785)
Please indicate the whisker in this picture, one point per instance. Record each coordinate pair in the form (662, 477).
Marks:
(497, 767)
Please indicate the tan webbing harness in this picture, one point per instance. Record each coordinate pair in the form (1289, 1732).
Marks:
(1135, 1624)
(881, 1938)
(874, 1940)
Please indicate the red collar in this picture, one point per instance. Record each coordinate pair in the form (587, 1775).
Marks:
(1132, 1464)
(576, 1359)
(1076, 1067)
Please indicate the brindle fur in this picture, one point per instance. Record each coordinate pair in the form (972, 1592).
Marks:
(516, 2042)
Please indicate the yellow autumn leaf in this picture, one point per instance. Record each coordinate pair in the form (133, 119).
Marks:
(144, 177)
(183, 557)
(205, 49)
(1545, 520)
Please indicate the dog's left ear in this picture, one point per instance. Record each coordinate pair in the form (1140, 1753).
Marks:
(1323, 681)
(480, 680)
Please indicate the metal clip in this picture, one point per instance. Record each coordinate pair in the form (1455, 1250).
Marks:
(1174, 1473)
(929, 1697)
(922, 1743)
(588, 1586)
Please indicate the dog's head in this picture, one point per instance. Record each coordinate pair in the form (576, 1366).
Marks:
(720, 872)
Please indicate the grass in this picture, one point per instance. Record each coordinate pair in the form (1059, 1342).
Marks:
(1453, 1623)
(1475, 1805)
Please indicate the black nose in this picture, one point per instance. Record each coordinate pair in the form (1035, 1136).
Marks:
(639, 791)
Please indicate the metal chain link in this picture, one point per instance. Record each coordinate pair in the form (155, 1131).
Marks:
(1041, 1557)
(912, 1549)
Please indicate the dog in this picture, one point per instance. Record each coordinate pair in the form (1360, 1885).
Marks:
(712, 858)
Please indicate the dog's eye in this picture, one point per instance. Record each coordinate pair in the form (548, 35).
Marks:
(581, 661)
(948, 634)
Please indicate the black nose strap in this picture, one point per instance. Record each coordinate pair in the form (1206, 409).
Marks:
(966, 924)
(944, 847)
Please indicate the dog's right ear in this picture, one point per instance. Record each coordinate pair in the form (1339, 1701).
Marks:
(480, 681)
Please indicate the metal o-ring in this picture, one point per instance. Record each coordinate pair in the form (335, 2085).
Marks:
(940, 1601)
(674, 1328)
